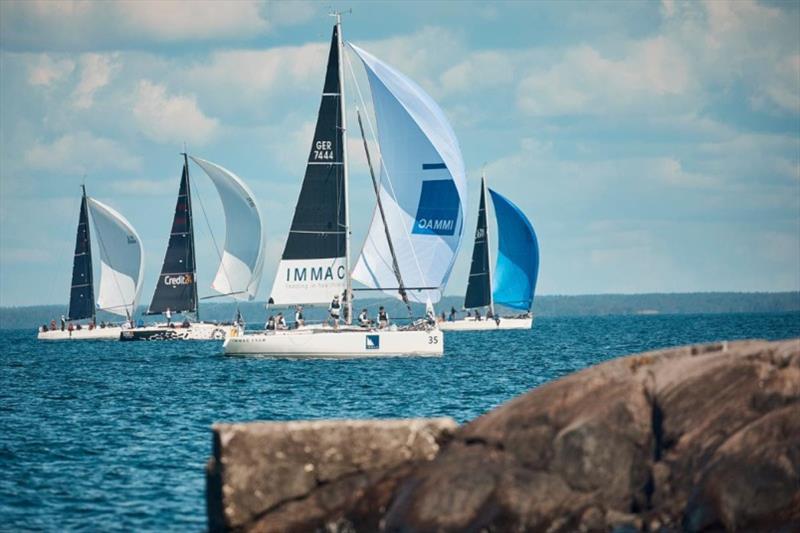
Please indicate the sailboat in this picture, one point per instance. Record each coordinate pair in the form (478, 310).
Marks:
(121, 267)
(513, 281)
(415, 231)
(241, 262)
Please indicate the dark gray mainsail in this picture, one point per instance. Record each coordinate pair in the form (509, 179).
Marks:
(312, 267)
(479, 288)
(81, 295)
(176, 288)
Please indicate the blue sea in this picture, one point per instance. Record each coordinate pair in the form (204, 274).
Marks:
(114, 436)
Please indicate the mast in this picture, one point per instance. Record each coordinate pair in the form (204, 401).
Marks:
(190, 218)
(342, 111)
(488, 245)
(85, 209)
(395, 265)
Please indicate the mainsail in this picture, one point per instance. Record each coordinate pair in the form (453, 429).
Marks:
(479, 287)
(242, 261)
(313, 265)
(81, 294)
(176, 288)
(423, 188)
(517, 258)
(121, 260)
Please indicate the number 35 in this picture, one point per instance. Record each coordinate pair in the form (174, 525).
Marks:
(433, 340)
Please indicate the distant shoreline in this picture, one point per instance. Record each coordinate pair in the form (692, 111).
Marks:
(15, 317)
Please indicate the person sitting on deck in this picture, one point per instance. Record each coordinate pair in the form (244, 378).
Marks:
(270, 325)
(477, 315)
(53, 325)
(298, 317)
(489, 314)
(363, 319)
(452, 317)
(280, 322)
(70, 327)
(335, 310)
(185, 323)
(44, 328)
(383, 318)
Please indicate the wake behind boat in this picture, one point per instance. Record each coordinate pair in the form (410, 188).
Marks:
(121, 267)
(513, 282)
(404, 256)
(241, 262)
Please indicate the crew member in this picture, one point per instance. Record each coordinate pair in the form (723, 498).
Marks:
(383, 318)
(280, 323)
(363, 319)
(63, 323)
(270, 325)
(335, 310)
(298, 317)
(452, 314)
(168, 315)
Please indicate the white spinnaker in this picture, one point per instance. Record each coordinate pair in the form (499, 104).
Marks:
(423, 188)
(239, 271)
(121, 260)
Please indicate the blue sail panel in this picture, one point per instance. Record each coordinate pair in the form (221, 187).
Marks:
(518, 256)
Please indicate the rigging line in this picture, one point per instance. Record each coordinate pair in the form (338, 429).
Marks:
(116, 281)
(388, 176)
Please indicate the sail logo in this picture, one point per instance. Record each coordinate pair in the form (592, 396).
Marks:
(373, 342)
(131, 239)
(301, 274)
(181, 279)
(438, 208)
(322, 151)
(480, 233)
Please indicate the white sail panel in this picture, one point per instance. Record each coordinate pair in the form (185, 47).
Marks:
(121, 260)
(239, 271)
(423, 188)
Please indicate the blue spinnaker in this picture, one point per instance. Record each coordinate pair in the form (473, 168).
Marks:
(517, 258)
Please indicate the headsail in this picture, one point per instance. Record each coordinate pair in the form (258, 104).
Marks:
(81, 294)
(121, 260)
(312, 267)
(479, 287)
(423, 187)
(517, 258)
(176, 288)
(239, 271)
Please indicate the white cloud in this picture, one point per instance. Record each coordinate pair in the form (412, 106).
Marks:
(144, 187)
(48, 70)
(166, 118)
(96, 72)
(80, 152)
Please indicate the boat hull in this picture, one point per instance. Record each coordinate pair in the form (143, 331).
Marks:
(85, 334)
(471, 324)
(195, 332)
(350, 343)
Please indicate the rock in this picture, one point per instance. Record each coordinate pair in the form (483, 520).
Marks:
(694, 438)
(273, 476)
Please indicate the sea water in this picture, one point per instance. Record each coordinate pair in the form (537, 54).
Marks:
(107, 435)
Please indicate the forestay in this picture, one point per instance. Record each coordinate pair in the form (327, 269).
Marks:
(423, 188)
(517, 258)
(239, 271)
(121, 260)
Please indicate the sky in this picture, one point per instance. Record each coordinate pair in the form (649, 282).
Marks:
(654, 146)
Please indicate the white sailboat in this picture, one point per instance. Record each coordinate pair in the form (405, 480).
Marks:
(121, 268)
(415, 232)
(239, 271)
(513, 281)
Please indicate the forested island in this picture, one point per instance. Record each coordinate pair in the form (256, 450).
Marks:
(545, 305)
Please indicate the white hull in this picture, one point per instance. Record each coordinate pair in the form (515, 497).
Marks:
(83, 334)
(345, 343)
(470, 324)
(199, 331)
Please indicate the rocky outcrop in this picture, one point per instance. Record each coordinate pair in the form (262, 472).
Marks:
(695, 438)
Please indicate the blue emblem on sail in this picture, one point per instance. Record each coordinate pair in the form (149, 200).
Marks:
(438, 209)
(373, 342)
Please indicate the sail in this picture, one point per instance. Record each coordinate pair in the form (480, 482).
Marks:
(176, 288)
(81, 294)
(121, 260)
(518, 256)
(312, 267)
(239, 271)
(423, 188)
(479, 287)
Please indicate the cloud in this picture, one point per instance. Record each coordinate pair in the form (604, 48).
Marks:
(80, 152)
(85, 25)
(96, 72)
(48, 71)
(144, 187)
(171, 119)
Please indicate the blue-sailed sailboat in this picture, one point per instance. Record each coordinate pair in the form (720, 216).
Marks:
(512, 283)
